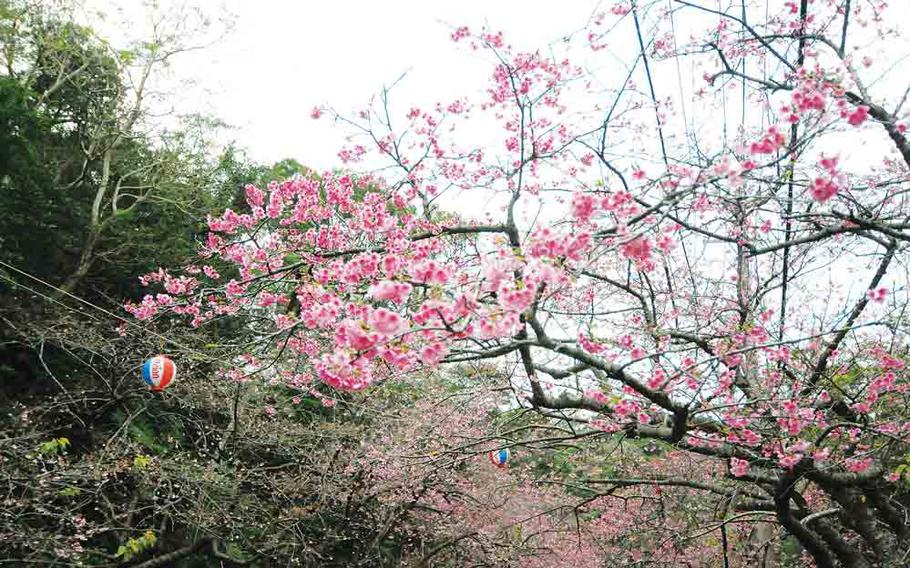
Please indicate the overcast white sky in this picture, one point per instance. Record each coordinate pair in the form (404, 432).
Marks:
(280, 58)
(283, 57)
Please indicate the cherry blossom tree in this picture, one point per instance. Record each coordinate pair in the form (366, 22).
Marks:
(432, 469)
(717, 269)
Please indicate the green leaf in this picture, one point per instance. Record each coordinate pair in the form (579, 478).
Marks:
(70, 491)
(53, 447)
(135, 546)
(127, 56)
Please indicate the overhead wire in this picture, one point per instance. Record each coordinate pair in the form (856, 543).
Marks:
(130, 324)
(133, 325)
(46, 297)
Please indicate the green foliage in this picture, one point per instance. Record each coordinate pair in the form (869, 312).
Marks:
(150, 435)
(70, 491)
(136, 546)
(850, 376)
(283, 169)
(34, 218)
(53, 447)
(68, 140)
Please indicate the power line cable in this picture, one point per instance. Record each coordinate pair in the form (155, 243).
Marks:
(128, 323)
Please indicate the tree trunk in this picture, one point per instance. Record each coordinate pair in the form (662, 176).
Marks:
(94, 232)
